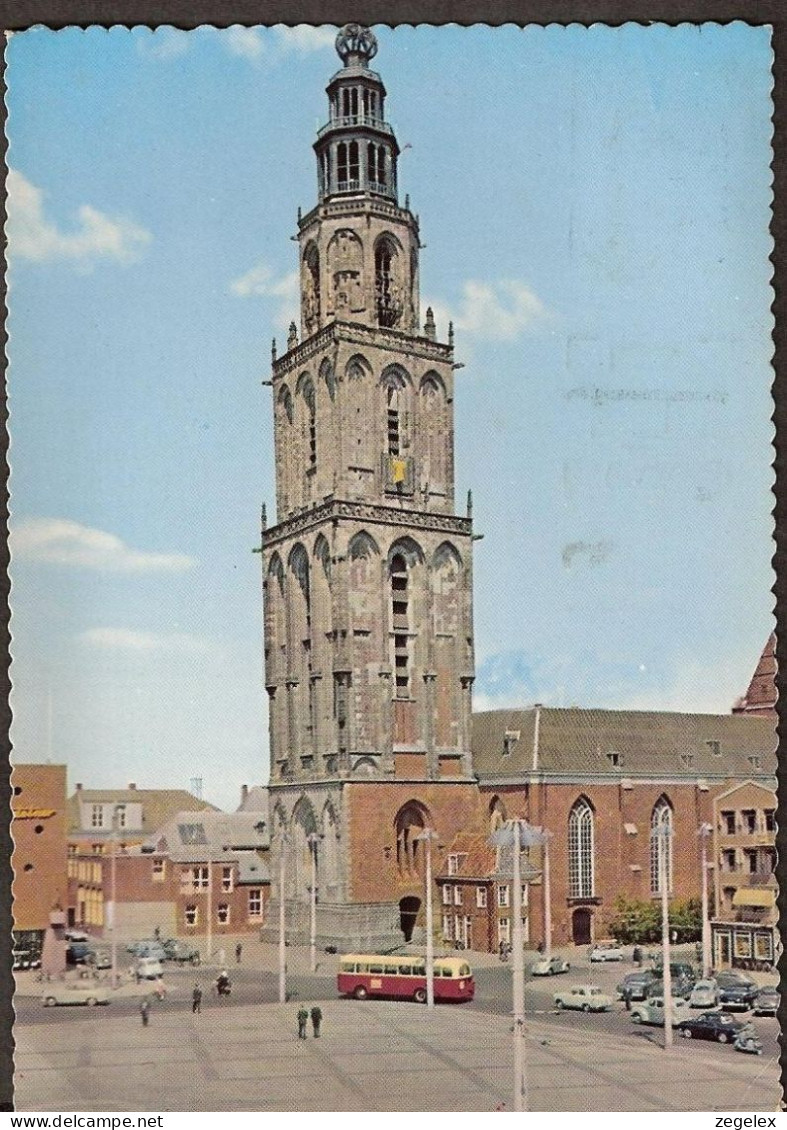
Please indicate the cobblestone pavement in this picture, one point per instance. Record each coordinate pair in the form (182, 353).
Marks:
(372, 1056)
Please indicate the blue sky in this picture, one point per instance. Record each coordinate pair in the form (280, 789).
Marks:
(595, 205)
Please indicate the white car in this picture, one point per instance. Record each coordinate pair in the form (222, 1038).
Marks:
(651, 1011)
(606, 952)
(74, 994)
(705, 994)
(588, 998)
(547, 966)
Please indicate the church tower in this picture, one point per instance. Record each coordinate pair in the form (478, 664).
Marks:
(367, 572)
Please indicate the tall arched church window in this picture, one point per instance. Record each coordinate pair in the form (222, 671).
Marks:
(354, 166)
(381, 166)
(409, 823)
(387, 301)
(341, 165)
(394, 422)
(311, 288)
(580, 850)
(660, 845)
(400, 622)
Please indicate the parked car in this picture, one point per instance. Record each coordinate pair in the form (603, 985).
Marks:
(638, 985)
(149, 968)
(74, 935)
(77, 953)
(718, 1026)
(181, 952)
(651, 1011)
(588, 998)
(705, 994)
(736, 991)
(89, 994)
(606, 951)
(25, 959)
(767, 1001)
(148, 947)
(547, 966)
(100, 959)
(680, 971)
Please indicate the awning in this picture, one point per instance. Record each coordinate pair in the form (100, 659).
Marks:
(746, 896)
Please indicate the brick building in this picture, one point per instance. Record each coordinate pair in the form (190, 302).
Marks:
(600, 782)
(745, 925)
(367, 572)
(38, 827)
(103, 820)
(760, 698)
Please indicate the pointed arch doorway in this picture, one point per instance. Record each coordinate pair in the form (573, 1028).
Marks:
(408, 912)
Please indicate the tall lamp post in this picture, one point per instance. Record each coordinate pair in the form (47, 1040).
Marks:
(518, 834)
(113, 904)
(704, 832)
(547, 889)
(662, 834)
(312, 840)
(282, 922)
(427, 836)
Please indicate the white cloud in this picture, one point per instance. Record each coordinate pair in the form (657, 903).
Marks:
(166, 43)
(96, 236)
(499, 311)
(304, 38)
(260, 281)
(124, 639)
(59, 541)
(244, 41)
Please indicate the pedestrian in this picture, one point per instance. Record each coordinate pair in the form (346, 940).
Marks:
(316, 1020)
(157, 933)
(238, 952)
(636, 956)
(160, 989)
(196, 999)
(303, 1017)
(144, 1011)
(627, 997)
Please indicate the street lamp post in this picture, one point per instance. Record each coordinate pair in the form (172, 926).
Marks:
(113, 924)
(313, 839)
(704, 832)
(282, 922)
(547, 888)
(662, 835)
(518, 834)
(427, 836)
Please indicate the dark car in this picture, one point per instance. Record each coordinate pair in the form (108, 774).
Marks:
(719, 1026)
(637, 985)
(77, 953)
(736, 991)
(181, 952)
(767, 1001)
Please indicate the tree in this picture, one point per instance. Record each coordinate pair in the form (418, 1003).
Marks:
(636, 921)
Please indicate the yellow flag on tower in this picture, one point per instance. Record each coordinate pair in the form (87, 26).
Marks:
(398, 470)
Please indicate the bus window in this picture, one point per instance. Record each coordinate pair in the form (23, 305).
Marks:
(348, 967)
(440, 971)
(392, 970)
(464, 970)
(406, 970)
(375, 968)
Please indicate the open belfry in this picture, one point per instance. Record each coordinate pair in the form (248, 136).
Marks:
(367, 573)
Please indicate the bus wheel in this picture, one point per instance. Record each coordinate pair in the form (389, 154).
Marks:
(360, 993)
(419, 996)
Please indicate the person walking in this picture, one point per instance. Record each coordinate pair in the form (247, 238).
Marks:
(160, 989)
(316, 1020)
(196, 999)
(144, 1011)
(238, 952)
(303, 1017)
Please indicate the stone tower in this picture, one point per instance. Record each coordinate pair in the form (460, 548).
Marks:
(367, 573)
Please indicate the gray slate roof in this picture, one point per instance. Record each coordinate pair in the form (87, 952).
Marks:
(648, 743)
(191, 837)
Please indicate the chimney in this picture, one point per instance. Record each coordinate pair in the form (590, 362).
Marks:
(244, 794)
(132, 784)
(79, 786)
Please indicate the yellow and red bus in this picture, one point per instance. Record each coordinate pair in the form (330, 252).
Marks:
(403, 976)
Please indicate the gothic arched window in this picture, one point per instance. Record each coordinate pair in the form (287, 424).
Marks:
(355, 167)
(400, 620)
(580, 850)
(410, 821)
(384, 287)
(341, 165)
(660, 845)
